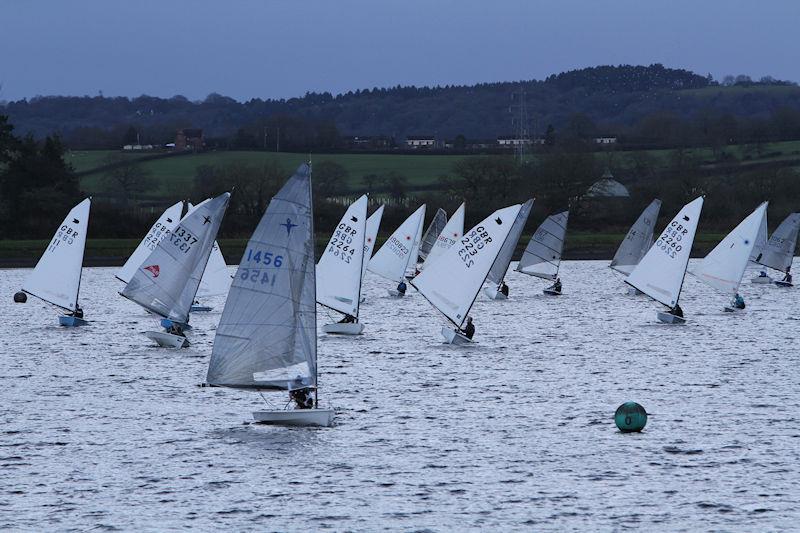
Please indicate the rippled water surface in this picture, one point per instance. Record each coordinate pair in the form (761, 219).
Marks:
(102, 430)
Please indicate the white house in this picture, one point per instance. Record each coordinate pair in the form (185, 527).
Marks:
(424, 141)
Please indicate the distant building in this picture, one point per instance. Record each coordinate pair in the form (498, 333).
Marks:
(515, 140)
(607, 187)
(606, 139)
(137, 147)
(423, 141)
(361, 142)
(189, 139)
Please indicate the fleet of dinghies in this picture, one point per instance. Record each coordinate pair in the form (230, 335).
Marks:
(266, 339)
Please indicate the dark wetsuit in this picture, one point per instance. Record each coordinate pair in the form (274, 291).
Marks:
(348, 319)
(676, 311)
(557, 286)
(504, 289)
(78, 312)
(469, 330)
(401, 287)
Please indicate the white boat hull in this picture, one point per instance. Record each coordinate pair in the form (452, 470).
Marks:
(551, 292)
(668, 318)
(71, 321)
(494, 294)
(394, 293)
(295, 417)
(452, 336)
(762, 280)
(167, 340)
(781, 283)
(338, 328)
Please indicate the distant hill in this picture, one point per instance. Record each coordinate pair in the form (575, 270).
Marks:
(614, 99)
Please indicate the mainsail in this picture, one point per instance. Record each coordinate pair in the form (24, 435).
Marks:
(452, 232)
(778, 252)
(167, 281)
(267, 335)
(340, 267)
(724, 266)
(432, 233)
(638, 240)
(371, 234)
(57, 276)
(661, 271)
(453, 281)
(216, 278)
(165, 223)
(392, 259)
(542, 256)
(500, 267)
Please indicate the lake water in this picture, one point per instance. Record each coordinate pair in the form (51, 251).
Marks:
(101, 430)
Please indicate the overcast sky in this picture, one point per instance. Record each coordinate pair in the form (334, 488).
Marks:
(264, 48)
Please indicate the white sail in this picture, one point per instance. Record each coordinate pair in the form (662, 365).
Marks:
(661, 271)
(761, 240)
(451, 234)
(542, 256)
(340, 268)
(392, 259)
(166, 282)
(779, 250)
(432, 233)
(267, 335)
(57, 276)
(724, 266)
(500, 267)
(165, 223)
(413, 258)
(453, 281)
(638, 240)
(371, 235)
(216, 278)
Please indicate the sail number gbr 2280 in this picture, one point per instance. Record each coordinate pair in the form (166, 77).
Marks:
(472, 243)
(260, 275)
(670, 240)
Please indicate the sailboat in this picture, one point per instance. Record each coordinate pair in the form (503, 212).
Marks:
(340, 269)
(452, 283)
(160, 229)
(723, 268)
(499, 270)
(392, 259)
(542, 256)
(661, 271)
(429, 239)
(267, 336)
(416, 252)
(450, 234)
(636, 243)
(57, 276)
(778, 252)
(370, 236)
(167, 281)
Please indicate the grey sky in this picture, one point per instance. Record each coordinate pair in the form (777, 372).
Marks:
(250, 48)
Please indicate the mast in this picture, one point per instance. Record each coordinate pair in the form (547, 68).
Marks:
(361, 266)
(314, 277)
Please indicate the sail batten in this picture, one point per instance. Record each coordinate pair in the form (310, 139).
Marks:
(542, 256)
(167, 281)
(266, 338)
(637, 241)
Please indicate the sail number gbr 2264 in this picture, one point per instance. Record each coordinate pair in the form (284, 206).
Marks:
(472, 243)
(260, 275)
(670, 240)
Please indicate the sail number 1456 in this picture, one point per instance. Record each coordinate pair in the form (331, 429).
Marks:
(260, 275)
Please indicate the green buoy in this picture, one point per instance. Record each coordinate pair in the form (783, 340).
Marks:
(630, 417)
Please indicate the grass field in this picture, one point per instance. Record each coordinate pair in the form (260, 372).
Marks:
(175, 173)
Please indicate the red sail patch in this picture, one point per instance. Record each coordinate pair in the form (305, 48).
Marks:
(153, 270)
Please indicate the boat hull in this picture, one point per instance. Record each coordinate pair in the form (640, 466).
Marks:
(781, 283)
(394, 293)
(166, 323)
(732, 309)
(295, 417)
(494, 294)
(167, 340)
(338, 328)
(71, 321)
(201, 309)
(761, 280)
(668, 318)
(452, 336)
(551, 292)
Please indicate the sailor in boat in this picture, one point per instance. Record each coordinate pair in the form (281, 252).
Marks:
(469, 329)
(504, 289)
(348, 319)
(556, 286)
(303, 399)
(762, 274)
(401, 287)
(676, 311)
(738, 301)
(788, 277)
(77, 313)
(175, 329)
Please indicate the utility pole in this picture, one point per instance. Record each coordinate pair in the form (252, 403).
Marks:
(519, 120)
(278, 139)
